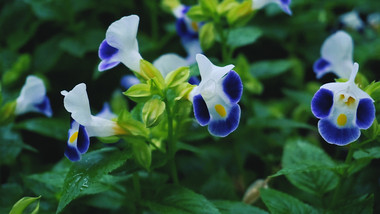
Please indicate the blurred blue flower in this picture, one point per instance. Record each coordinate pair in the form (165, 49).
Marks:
(129, 80)
(84, 125)
(336, 56)
(121, 45)
(215, 99)
(168, 63)
(33, 98)
(352, 20)
(343, 109)
(284, 4)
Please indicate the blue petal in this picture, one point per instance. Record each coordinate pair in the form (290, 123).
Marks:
(222, 128)
(201, 112)
(83, 141)
(365, 113)
(44, 107)
(183, 29)
(194, 80)
(232, 86)
(338, 136)
(106, 52)
(105, 65)
(321, 67)
(72, 153)
(322, 102)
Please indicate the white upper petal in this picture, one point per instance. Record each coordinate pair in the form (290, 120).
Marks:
(121, 34)
(208, 70)
(258, 4)
(101, 127)
(337, 47)
(76, 102)
(169, 62)
(33, 92)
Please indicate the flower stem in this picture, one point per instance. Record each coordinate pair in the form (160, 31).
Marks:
(171, 145)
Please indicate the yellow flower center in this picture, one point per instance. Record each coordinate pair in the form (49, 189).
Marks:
(220, 110)
(73, 137)
(342, 120)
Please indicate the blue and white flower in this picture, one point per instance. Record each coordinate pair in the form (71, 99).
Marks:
(336, 56)
(84, 125)
(33, 98)
(168, 63)
(121, 45)
(352, 20)
(215, 99)
(343, 109)
(284, 4)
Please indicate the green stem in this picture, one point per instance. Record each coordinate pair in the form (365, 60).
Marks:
(171, 145)
(136, 185)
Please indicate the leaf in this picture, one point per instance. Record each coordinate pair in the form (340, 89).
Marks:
(50, 127)
(243, 36)
(10, 145)
(18, 69)
(278, 123)
(301, 97)
(270, 68)
(364, 204)
(19, 206)
(87, 172)
(372, 153)
(278, 202)
(207, 35)
(46, 55)
(302, 154)
(232, 207)
(172, 199)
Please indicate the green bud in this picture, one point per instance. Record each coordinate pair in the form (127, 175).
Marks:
(153, 112)
(208, 6)
(183, 90)
(139, 92)
(226, 6)
(19, 67)
(240, 14)
(7, 113)
(177, 77)
(23, 203)
(148, 71)
(131, 126)
(170, 5)
(196, 14)
(141, 152)
(207, 35)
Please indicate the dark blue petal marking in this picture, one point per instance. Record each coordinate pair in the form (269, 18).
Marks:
(222, 128)
(83, 141)
(106, 51)
(201, 112)
(232, 86)
(321, 67)
(335, 135)
(129, 80)
(72, 153)
(44, 107)
(105, 65)
(287, 2)
(194, 80)
(322, 102)
(183, 29)
(365, 113)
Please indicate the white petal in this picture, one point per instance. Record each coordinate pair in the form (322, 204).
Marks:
(178, 11)
(101, 127)
(209, 70)
(76, 102)
(192, 47)
(352, 20)
(337, 47)
(258, 4)
(33, 92)
(169, 62)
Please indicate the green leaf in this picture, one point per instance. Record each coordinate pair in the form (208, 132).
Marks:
(177, 76)
(207, 36)
(153, 112)
(302, 154)
(50, 127)
(142, 152)
(243, 36)
(10, 145)
(372, 153)
(301, 97)
(18, 69)
(172, 199)
(139, 92)
(196, 14)
(278, 202)
(279, 123)
(19, 206)
(208, 6)
(46, 55)
(232, 207)
(270, 68)
(363, 204)
(373, 90)
(88, 171)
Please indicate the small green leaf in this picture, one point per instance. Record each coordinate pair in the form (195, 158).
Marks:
(172, 199)
(196, 14)
(10, 144)
(152, 112)
(50, 127)
(373, 90)
(225, 6)
(240, 14)
(18, 69)
(372, 153)
(243, 36)
(139, 92)
(232, 207)
(7, 113)
(88, 171)
(142, 152)
(177, 76)
(149, 72)
(269, 69)
(281, 203)
(207, 35)
(208, 6)
(19, 206)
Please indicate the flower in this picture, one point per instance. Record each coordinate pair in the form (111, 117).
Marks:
(215, 99)
(336, 56)
(84, 125)
(121, 45)
(169, 62)
(343, 109)
(352, 20)
(33, 98)
(284, 4)
(106, 112)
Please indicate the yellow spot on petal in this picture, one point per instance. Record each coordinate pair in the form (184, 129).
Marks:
(342, 120)
(220, 110)
(194, 25)
(73, 137)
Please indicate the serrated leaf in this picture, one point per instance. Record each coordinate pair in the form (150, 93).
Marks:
(278, 202)
(270, 68)
(298, 154)
(23, 203)
(88, 171)
(363, 204)
(372, 153)
(10, 145)
(172, 199)
(243, 36)
(232, 207)
(50, 127)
